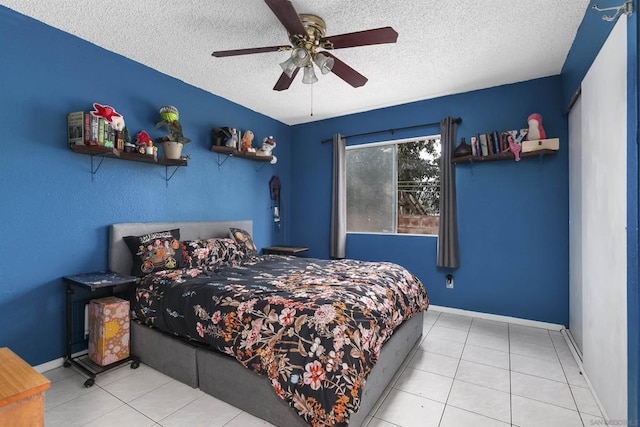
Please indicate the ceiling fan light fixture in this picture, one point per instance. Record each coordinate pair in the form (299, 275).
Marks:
(324, 62)
(309, 77)
(288, 67)
(300, 57)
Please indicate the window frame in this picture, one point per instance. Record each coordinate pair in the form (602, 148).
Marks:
(395, 178)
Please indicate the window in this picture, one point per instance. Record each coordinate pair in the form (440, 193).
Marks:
(394, 186)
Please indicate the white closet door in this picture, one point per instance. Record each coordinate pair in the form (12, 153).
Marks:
(604, 221)
(575, 223)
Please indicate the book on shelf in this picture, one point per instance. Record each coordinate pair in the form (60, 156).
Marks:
(108, 135)
(490, 144)
(83, 128)
(101, 131)
(118, 139)
(484, 148)
(504, 145)
(75, 128)
(496, 142)
(87, 128)
(93, 135)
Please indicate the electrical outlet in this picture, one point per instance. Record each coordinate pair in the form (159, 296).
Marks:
(449, 282)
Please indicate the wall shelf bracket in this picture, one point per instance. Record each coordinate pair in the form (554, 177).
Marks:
(224, 159)
(94, 171)
(626, 8)
(168, 177)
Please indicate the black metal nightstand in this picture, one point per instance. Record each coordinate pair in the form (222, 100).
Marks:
(91, 284)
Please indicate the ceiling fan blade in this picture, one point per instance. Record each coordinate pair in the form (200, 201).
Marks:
(346, 73)
(285, 81)
(360, 38)
(284, 11)
(236, 52)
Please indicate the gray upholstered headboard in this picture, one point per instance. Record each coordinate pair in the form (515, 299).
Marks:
(120, 260)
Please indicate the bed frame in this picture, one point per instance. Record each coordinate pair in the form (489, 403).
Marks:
(220, 375)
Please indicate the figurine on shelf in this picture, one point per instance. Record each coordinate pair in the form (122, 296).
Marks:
(247, 139)
(224, 137)
(536, 131)
(144, 142)
(513, 147)
(232, 138)
(268, 144)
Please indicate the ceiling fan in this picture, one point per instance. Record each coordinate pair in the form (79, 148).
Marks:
(307, 36)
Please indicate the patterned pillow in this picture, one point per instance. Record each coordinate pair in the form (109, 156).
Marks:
(208, 253)
(227, 251)
(155, 251)
(196, 253)
(244, 241)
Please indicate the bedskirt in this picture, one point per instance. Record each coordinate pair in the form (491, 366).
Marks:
(221, 376)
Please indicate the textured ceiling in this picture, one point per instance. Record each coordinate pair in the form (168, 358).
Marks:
(444, 47)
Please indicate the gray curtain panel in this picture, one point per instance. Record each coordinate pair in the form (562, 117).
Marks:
(338, 240)
(448, 252)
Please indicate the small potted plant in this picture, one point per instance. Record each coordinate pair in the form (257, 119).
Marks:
(173, 142)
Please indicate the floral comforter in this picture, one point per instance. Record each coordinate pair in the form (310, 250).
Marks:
(313, 327)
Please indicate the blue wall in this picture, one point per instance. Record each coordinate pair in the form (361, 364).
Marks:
(512, 216)
(54, 218)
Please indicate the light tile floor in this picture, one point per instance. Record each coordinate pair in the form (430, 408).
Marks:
(465, 372)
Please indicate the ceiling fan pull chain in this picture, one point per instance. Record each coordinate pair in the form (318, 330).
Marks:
(311, 100)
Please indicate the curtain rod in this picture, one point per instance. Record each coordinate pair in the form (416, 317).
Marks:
(457, 121)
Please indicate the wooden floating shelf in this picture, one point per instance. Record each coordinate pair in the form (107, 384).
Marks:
(501, 156)
(232, 152)
(97, 150)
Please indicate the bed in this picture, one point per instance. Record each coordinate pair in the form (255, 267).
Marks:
(260, 332)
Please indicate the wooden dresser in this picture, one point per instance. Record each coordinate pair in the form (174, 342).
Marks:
(21, 392)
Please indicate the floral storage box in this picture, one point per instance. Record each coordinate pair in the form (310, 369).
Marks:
(108, 330)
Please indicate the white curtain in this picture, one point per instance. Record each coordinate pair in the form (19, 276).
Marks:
(338, 239)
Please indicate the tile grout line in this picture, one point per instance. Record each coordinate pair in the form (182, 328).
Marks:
(575, 402)
(454, 374)
(391, 386)
(125, 403)
(144, 394)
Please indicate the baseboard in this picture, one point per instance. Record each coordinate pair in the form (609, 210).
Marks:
(573, 346)
(577, 355)
(47, 366)
(499, 318)
(56, 363)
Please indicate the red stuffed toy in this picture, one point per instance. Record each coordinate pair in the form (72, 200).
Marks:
(536, 131)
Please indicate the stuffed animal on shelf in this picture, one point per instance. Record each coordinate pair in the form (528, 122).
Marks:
(110, 115)
(247, 139)
(106, 112)
(536, 131)
(268, 144)
(232, 138)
